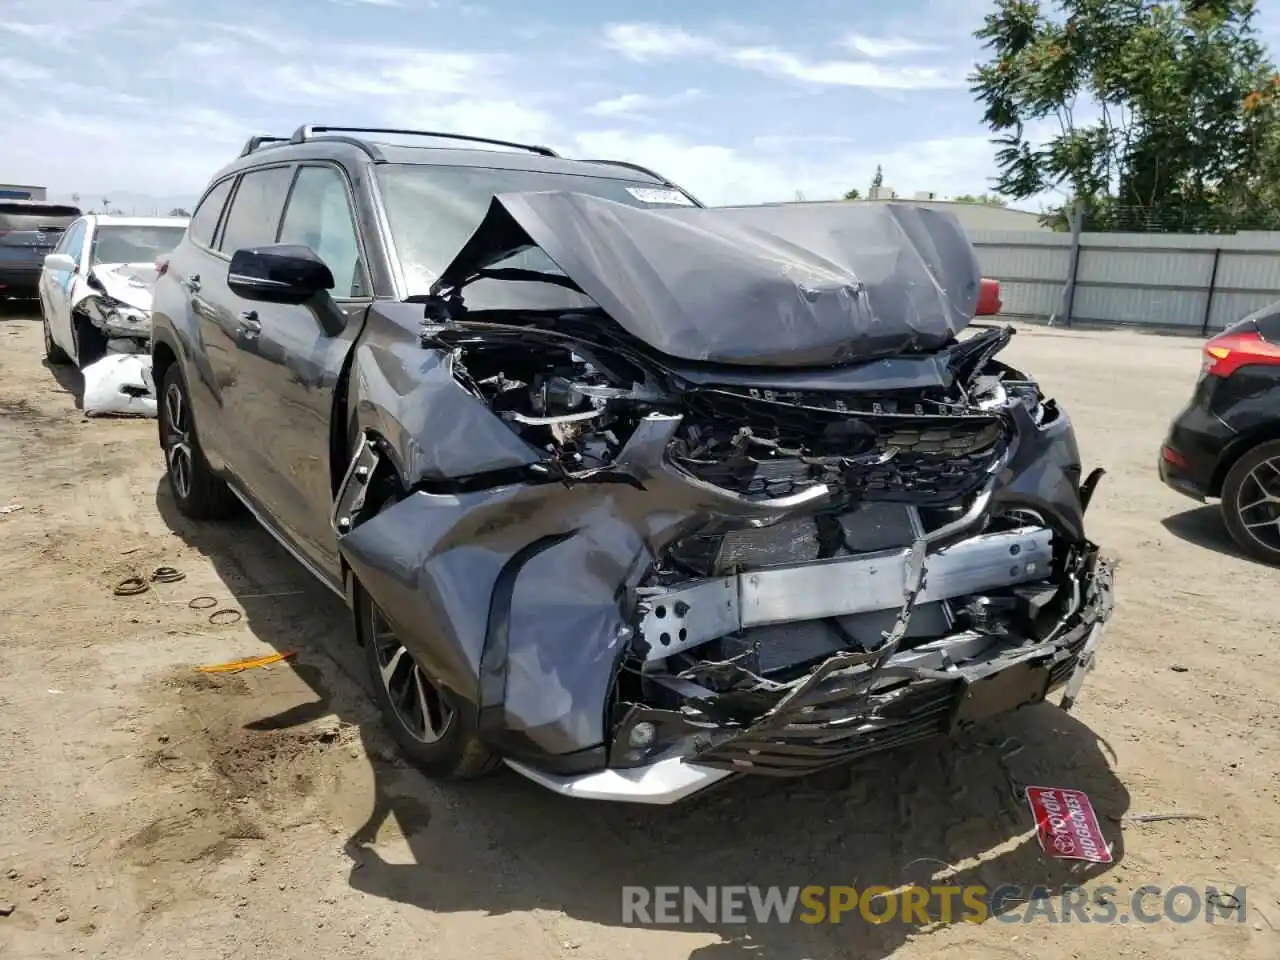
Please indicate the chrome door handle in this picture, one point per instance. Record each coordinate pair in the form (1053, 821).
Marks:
(250, 325)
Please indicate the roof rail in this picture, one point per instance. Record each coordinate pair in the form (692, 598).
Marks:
(309, 130)
(255, 142)
(639, 169)
(628, 165)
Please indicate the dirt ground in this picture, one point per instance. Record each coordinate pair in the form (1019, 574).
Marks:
(148, 810)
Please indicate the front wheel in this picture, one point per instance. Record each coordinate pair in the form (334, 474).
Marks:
(52, 352)
(1251, 502)
(427, 723)
(199, 493)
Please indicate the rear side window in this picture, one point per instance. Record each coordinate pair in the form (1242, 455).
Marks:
(255, 209)
(205, 220)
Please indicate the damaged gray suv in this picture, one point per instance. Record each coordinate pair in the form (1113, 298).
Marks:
(627, 493)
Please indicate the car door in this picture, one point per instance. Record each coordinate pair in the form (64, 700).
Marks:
(251, 220)
(56, 287)
(291, 366)
(179, 295)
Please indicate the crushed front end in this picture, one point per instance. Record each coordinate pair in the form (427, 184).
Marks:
(116, 300)
(685, 580)
(647, 573)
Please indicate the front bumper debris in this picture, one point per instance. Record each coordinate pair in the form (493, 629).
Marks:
(848, 709)
(679, 619)
(641, 577)
(842, 715)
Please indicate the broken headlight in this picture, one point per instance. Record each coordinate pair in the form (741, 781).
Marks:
(127, 321)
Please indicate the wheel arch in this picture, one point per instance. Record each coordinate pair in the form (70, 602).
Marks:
(346, 426)
(163, 356)
(1237, 448)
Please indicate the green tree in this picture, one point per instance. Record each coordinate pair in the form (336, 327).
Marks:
(854, 194)
(986, 199)
(1160, 115)
(178, 212)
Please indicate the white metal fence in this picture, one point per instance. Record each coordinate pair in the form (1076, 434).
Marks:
(1197, 283)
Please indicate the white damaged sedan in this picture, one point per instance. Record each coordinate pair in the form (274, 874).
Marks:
(96, 286)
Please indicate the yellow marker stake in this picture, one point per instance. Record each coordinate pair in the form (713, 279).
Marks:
(248, 663)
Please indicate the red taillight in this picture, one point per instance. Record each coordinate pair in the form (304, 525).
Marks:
(1173, 457)
(989, 303)
(1225, 354)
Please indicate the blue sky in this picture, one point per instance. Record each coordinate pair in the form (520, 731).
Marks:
(742, 101)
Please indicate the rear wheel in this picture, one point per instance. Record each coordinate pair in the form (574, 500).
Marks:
(1251, 502)
(198, 492)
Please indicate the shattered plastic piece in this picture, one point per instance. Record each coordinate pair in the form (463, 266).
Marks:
(1066, 825)
(127, 345)
(248, 663)
(11, 508)
(119, 385)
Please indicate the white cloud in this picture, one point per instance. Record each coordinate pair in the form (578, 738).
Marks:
(627, 103)
(651, 41)
(719, 175)
(20, 71)
(846, 73)
(634, 104)
(135, 110)
(886, 47)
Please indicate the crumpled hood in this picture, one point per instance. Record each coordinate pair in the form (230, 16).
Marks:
(796, 285)
(131, 283)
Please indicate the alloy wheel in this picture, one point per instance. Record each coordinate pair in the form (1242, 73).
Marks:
(422, 710)
(177, 441)
(1258, 504)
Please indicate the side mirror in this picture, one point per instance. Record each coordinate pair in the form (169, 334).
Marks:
(60, 262)
(279, 273)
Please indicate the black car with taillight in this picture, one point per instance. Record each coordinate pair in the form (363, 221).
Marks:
(1225, 444)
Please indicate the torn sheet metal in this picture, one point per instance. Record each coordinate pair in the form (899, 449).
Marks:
(842, 558)
(117, 299)
(772, 286)
(119, 384)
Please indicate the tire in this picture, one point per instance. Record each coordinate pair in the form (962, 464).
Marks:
(1241, 489)
(52, 352)
(199, 493)
(451, 751)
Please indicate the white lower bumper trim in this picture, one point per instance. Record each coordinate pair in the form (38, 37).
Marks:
(658, 783)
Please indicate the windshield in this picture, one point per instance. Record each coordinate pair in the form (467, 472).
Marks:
(139, 244)
(433, 210)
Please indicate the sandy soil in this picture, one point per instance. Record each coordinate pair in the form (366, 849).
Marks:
(152, 811)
